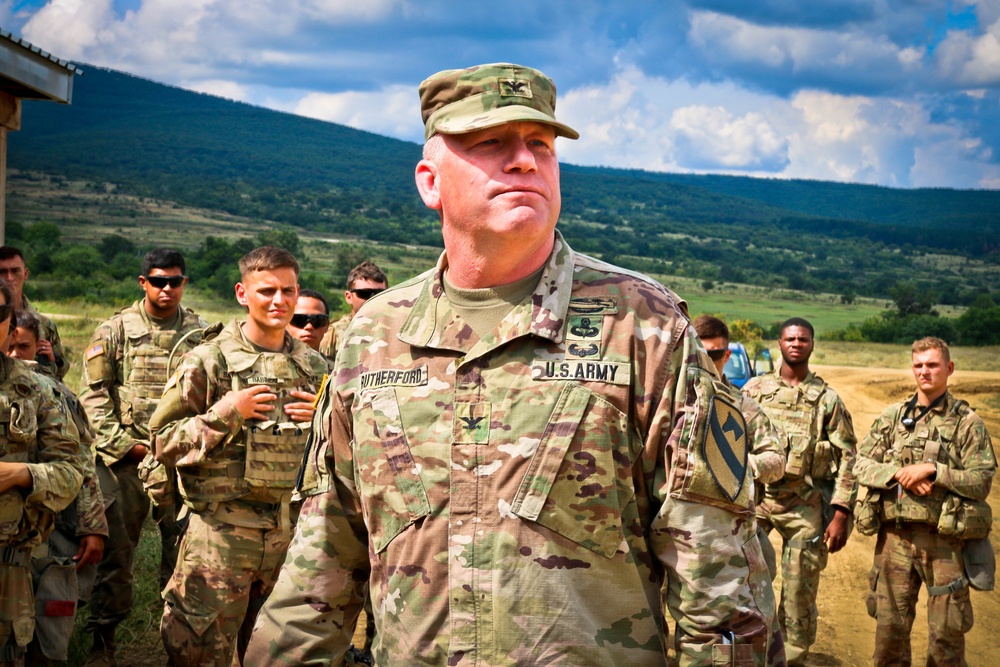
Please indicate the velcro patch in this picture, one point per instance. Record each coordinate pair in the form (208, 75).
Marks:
(514, 87)
(407, 377)
(60, 607)
(584, 371)
(95, 350)
(726, 449)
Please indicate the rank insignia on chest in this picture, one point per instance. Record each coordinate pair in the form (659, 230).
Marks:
(472, 423)
(726, 449)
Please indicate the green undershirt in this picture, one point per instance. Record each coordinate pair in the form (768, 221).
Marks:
(483, 309)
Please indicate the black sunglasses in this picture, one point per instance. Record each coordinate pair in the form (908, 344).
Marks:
(367, 293)
(300, 320)
(717, 355)
(5, 311)
(159, 282)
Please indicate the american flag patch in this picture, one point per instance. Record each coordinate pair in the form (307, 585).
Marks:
(95, 350)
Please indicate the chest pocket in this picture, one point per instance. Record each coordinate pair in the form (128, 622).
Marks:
(385, 469)
(578, 481)
(18, 423)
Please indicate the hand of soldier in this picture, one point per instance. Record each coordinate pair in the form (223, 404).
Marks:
(137, 453)
(253, 402)
(14, 474)
(44, 349)
(91, 550)
(836, 533)
(301, 412)
(911, 476)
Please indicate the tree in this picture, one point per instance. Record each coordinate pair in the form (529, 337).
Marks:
(910, 300)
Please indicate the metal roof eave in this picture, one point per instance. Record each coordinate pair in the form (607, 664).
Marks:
(34, 74)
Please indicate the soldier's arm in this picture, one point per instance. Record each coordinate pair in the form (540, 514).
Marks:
(718, 587)
(838, 429)
(100, 391)
(974, 477)
(310, 616)
(189, 422)
(58, 474)
(767, 457)
(870, 467)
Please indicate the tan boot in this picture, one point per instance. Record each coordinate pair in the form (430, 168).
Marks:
(103, 653)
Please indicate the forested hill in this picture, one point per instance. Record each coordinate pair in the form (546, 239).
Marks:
(164, 142)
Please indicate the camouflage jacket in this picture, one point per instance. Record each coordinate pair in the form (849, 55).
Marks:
(110, 371)
(47, 329)
(825, 432)
(334, 337)
(86, 515)
(767, 454)
(195, 425)
(544, 495)
(34, 432)
(965, 467)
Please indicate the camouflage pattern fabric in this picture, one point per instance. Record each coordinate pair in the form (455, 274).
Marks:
(125, 368)
(334, 336)
(813, 419)
(231, 552)
(543, 495)
(909, 553)
(47, 330)
(34, 432)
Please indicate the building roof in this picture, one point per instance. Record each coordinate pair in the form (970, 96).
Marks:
(28, 72)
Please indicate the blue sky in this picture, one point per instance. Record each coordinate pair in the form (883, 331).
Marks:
(902, 93)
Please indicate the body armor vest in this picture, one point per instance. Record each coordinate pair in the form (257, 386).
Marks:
(261, 463)
(797, 411)
(145, 371)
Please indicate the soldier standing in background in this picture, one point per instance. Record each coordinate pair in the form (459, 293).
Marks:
(233, 421)
(311, 320)
(40, 474)
(363, 282)
(521, 448)
(50, 350)
(125, 368)
(927, 466)
(810, 506)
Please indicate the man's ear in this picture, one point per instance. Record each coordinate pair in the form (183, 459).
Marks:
(427, 184)
(241, 294)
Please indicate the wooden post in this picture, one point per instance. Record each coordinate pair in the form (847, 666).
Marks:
(10, 119)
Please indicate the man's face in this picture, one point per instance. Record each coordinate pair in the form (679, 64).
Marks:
(163, 300)
(718, 349)
(796, 345)
(25, 345)
(269, 297)
(501, 180)
(309, 333)
(363, 285)
(14, 273)
(932, 372)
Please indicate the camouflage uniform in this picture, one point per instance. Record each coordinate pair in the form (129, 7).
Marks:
(915, 543)
(33, 430)
(334, 337)
(539, 496)
(58, 583)
(123, 376)
(47, 330)
(237, 477)
(818, 476)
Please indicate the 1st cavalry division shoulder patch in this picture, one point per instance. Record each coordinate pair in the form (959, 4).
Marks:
(725, 449)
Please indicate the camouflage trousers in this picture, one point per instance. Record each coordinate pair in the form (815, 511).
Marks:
(111, 600)
(905, 559)
(224, 573)
(804, 555)
(17, 614)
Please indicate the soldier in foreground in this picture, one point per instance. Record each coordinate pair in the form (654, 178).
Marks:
(767, 454)
(123, 376)
(363, 282)
(927, 466)
(521, 461)
(40, 474)
(50, 350)
(810, 506)
(233, 421)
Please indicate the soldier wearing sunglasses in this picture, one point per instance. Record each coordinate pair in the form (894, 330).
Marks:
(363, 282)
(311, 320)
(126, 366)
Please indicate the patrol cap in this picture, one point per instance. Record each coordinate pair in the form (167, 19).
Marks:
(456, 101)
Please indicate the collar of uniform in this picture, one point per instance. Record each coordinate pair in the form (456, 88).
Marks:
(298, 352)
(542, 314)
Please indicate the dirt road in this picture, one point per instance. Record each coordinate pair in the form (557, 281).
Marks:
(846, 632)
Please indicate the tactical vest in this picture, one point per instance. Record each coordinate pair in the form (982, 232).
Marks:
(19, 444)
(798, 411)
(145, 371)
(261, 463)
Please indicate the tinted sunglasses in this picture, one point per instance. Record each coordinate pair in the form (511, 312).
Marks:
(717, 355)
(367, 293)
(300, 320)
(5, 311)
(159, 282)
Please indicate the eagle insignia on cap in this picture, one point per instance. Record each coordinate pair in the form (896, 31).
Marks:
(514, 87)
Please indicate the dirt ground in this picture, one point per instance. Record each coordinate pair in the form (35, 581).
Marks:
(846, 632)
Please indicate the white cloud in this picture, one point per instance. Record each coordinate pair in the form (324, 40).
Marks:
(394, 111)
(228, 89)
(712, 137)
(70, 27)
(971, 60)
